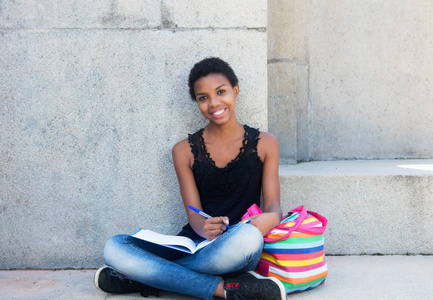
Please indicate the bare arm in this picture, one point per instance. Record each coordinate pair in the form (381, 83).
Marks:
(268, 152)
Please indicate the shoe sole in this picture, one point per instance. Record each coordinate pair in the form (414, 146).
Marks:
(96, 277)
(278, 282)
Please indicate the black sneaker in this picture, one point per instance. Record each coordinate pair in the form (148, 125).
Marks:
(252, 286)
(109, 283)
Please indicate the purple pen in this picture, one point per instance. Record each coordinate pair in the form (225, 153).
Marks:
(202, 213)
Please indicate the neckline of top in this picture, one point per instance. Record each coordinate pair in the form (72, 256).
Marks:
(245, 142)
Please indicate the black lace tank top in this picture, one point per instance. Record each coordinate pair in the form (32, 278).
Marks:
(231, 190)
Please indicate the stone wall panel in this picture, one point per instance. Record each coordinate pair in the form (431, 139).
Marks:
(88, 119)
(32, 14)
(216, 13)
(371, 70)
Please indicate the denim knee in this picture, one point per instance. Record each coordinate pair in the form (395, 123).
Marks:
(112, 248)
(242, 246)
(250, 241)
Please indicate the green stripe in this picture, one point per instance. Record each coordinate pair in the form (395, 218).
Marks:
(292, 286)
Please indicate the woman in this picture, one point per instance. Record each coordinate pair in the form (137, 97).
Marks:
(222, 169)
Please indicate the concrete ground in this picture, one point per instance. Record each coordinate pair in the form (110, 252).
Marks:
(350, 277)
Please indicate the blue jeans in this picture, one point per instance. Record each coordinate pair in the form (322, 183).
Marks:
(237, 251)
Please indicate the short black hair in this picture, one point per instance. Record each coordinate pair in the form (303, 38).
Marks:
(207, 66)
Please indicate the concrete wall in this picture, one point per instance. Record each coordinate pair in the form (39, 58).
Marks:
(288, 25)
(373, 207)
(93, 97)
(352, 79)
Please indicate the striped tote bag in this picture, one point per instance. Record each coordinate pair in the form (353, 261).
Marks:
(294, 251)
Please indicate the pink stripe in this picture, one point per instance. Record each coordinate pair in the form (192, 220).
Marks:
(263, 267)
(304, 268)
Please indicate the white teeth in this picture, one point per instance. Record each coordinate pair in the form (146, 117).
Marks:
(219, 112)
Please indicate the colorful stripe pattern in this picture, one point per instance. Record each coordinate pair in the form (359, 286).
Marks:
(298, 261)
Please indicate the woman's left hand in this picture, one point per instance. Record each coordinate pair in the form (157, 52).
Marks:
(265, 222)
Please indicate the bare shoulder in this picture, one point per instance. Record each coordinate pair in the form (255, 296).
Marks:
(267, 145)
(268, 137)
(267, 141)
(181, 146)
(181, 152)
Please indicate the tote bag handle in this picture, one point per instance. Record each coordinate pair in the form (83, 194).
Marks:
(302, 214)
(314, 230)
(298, 225)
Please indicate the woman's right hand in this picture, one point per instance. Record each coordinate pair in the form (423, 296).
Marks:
(214, 227)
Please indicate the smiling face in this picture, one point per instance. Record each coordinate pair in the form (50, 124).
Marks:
(216, 98)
